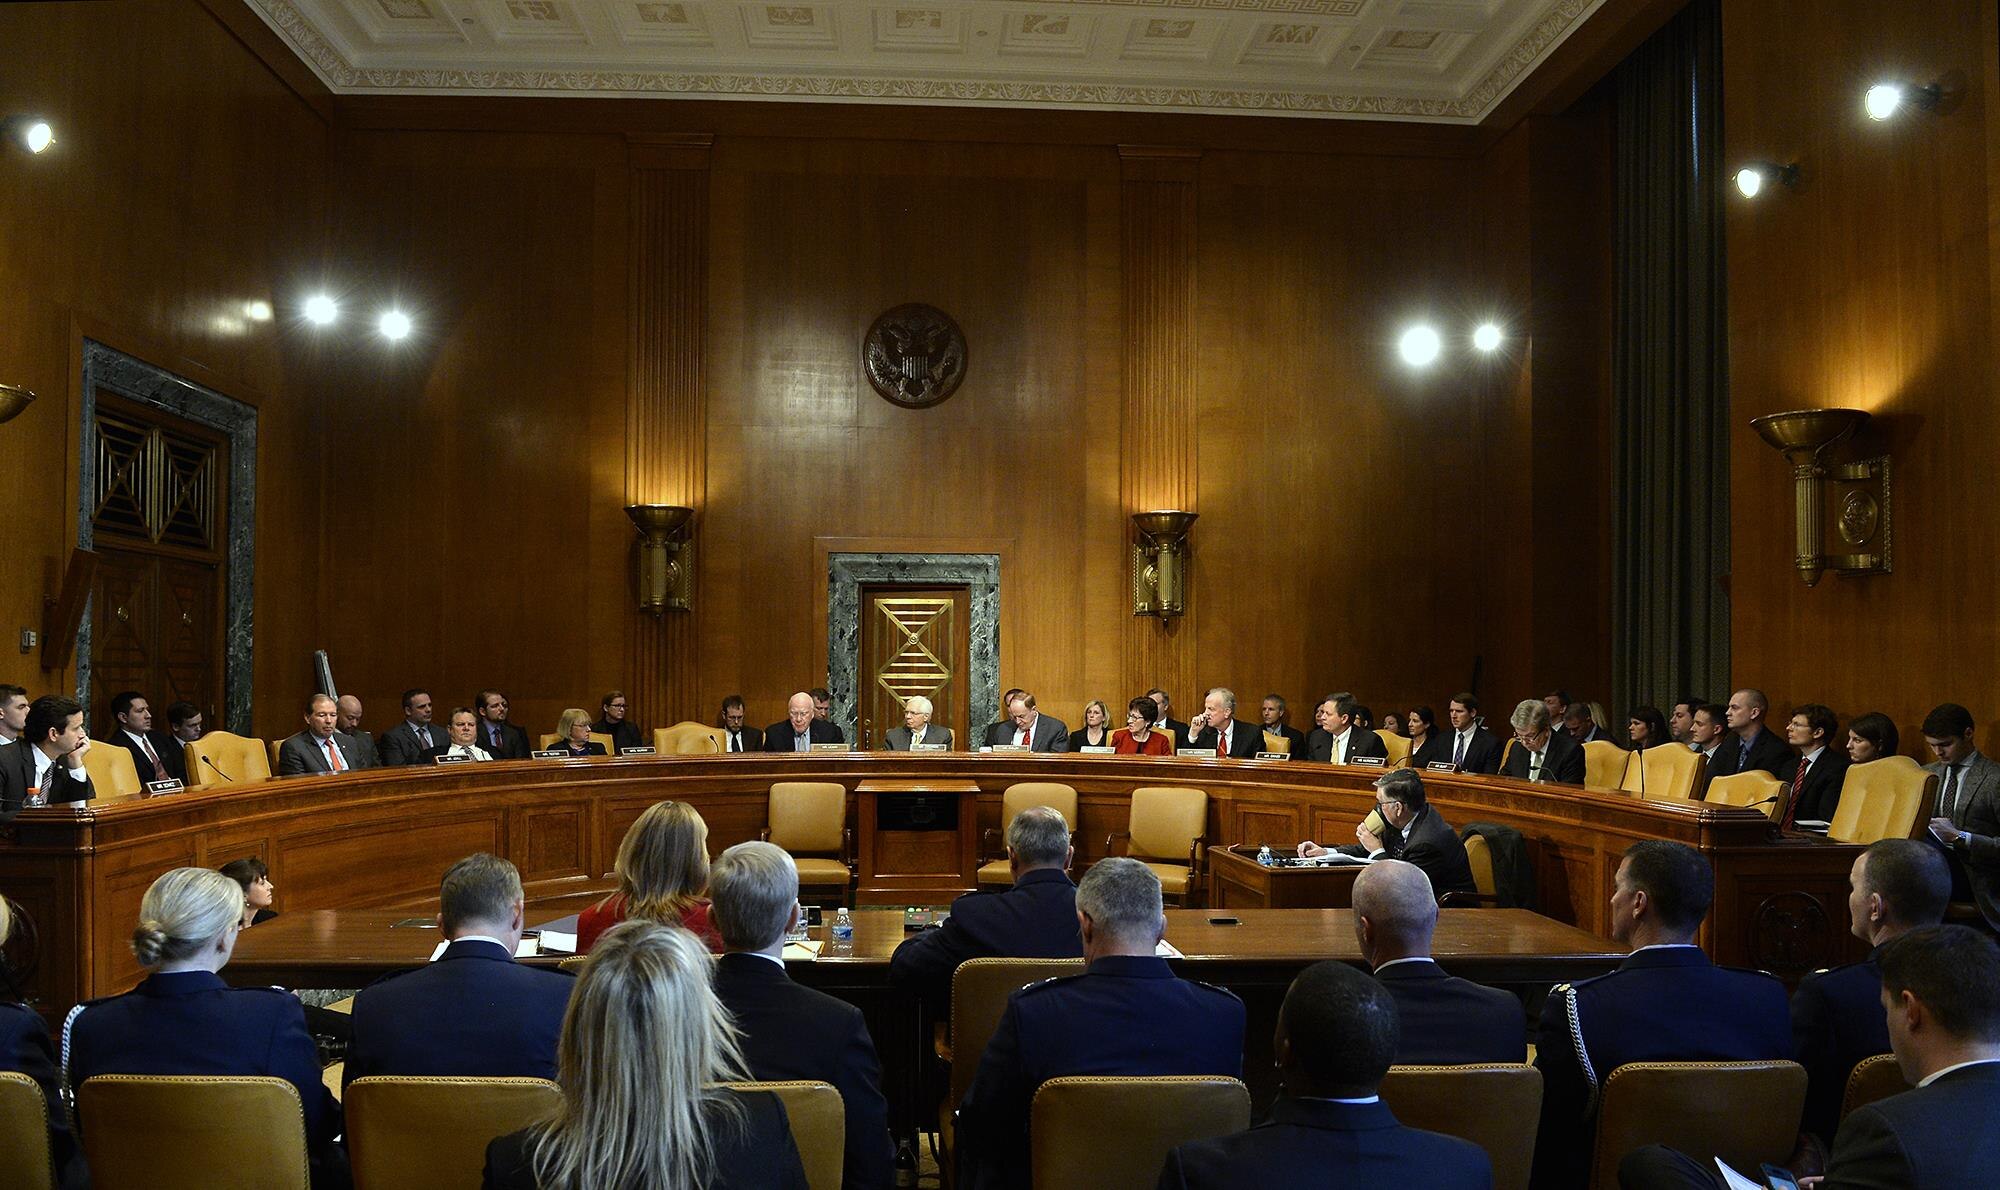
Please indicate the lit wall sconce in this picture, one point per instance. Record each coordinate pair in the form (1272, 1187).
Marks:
(666, 562)
(1884, 100)
(1752, 178)
(29, 132)
(13, 400)
(1159, 562)
(1860, 492)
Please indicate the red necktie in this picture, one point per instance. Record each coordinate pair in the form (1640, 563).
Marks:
(1024, 737)
(159, 770)
(1798, 785)
(1222, 743)
(333, 761)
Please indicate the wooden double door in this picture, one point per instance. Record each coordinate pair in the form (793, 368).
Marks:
(914, 640)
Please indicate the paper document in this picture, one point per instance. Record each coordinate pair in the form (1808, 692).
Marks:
(526, 950)
(556, 940)
(803, 951)
(1168, 950)
(1734, 1180)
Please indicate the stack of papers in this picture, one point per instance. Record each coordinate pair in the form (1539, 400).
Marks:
(526, 950)
(1168, 950)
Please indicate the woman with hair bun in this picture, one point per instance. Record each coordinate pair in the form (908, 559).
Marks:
(183, 1019)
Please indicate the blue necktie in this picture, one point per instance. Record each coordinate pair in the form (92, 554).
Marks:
(1743, 757)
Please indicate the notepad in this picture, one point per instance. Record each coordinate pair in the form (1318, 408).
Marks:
(556, 940)
(1168, 950)
(802, 951)
(527, 949)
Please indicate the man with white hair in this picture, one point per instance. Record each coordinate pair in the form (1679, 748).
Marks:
(799, 730)
(788, 1031)
(1218, 732)
(1446, 1020)
(917, 729)
(1127, 1014)
(1541, 753)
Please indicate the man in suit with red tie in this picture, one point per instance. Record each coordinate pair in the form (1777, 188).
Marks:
(1820, 770)
(320, 748)
(155, 755)
(1218, 732)
(1033, 730)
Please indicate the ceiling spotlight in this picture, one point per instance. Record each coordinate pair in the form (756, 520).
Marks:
(1419, 345)
(394, 325)
(1884, 100)
(1487, 337)
(1751, 179)
(30, 133)
(257, 311)
(321, 310)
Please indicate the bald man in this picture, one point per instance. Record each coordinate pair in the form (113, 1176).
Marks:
(347, 721)
(1447, 1021)
(799, 730)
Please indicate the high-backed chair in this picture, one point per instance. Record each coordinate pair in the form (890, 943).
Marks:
(25, 1159)
(192, 1132)
(112, 773)
(1015, 798)
(689, 739)
(809, 820)
(1089, 1133)
(221, 757)
(1755, 790)
(1699, 1107)
(1276, 743)
(819, 1127)
(596, 737)
(1509, 1107)
(1667, 773)
(1891, 798)
(1604, 765)
(979, 991)
(1485, 884)
(1871, 1079)
(1168, 826)
(1398, 746)
(405, 1131)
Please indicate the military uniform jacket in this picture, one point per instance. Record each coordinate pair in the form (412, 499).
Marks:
(1035, 919)
(25, 1049)
(475, 1013)
(1837, 1020)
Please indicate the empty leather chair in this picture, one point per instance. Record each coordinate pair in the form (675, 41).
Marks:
(112, 773)
(1890, 798)
(1604, 765)
(1090, 1133)
(1509, 1109)
(1398, 746)
(1667, 773)
(1754, 790)
(819, 1127)
(1167, 827)
(192, 1132)
(221, 757)
(1014, 799)
(809, 820)
(1742, 1112)
(688, 739)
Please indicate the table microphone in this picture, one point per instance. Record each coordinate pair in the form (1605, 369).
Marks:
(218, 771)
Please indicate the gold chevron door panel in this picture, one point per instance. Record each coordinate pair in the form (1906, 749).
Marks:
(914, 640)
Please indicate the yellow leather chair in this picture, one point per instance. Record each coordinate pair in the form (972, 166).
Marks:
(1015, 798)
(689, 739)
(979, 991)
(1756, 790)
(819, 1127)
(1485, 885)
(1168, 822)
(242, 758)
(610, 748)
(192, 1132)
(1891, 798)
(1871, 1079)
(809, 820)
(24, 1129)
(1509, 1108)
(573, 963)
(433, 1132)
(1277, 743)
(112, 773)
(1604, 765)
(1088, 1133)
(1699, 1107)
(1668, 773)
(1398, 746)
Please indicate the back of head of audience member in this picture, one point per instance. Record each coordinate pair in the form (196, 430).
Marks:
(481, 896)
(1038, 838)
(1119, 908)
(1941, 989)
(753, 889)
(1395, 911)
(188, 920)
(1663, 890)
(662, 864)
(1895, 886)
(1337, 1033)
(1872, 736)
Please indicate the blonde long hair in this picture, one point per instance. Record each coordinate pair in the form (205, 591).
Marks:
(643, 1044)
(184, 912)
(662, 865)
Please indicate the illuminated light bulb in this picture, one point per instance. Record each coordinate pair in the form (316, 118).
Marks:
(1419, 346)
(394, 325)
(257, 311)
(1487, 337)
(38, 136)
(1749, 180)
(1882, 100)
(321, 310)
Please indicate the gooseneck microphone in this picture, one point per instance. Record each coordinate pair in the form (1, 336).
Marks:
(218, 771)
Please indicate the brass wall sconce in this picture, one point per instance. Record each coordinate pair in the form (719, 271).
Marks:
(13, 400)
(1159, 562)
(666, 562)
(1859, 492)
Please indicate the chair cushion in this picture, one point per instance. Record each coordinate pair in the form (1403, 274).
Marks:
(1173, 877)
(1166, 819)
(996, 872)
(822, 871)
(808, 816)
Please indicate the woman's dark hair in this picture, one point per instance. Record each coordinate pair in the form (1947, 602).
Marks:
(1656, 725)
(1879, 730)
(245, 872)
(1147, 707)
(1423, 713)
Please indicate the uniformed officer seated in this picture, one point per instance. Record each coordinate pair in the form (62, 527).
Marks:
(1337, 1036)
(1445, 1020)
(25, 1049)
(1128, 1014)
(183, 1019)
(474, 1012)
(1666, 1002)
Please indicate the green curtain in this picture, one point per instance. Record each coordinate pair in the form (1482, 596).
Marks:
(1670, 414)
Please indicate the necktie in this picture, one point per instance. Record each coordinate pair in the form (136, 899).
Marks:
(1950, 792)
(799, 742)
(159, 770)
(1222, 742)
(333, 762)
(1535, 765)
(493, 733)
(1798, 786)
(1743, 758)
(735, 741)
(424, 734)
(1458, 754)
(1025, 742)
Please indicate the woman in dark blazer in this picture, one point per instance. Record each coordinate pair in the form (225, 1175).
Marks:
(573, 734)
(644, 1045)
(25, 1049)
(1647, 728)
(1096, 729)
(1426, 742)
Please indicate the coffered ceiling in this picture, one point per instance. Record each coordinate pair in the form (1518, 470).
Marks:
(1441, 61)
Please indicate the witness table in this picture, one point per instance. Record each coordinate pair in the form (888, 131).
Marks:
(1237, 881)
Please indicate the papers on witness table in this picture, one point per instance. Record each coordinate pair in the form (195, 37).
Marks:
(528, 949)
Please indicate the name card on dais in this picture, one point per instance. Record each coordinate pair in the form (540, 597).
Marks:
(1274, 756)
(1010, 748)
(829, 747)
(548, 754)
(1441, 766)
(1098, 750)
(170, 785)
(930, 747)
(453, 758)
(647, 750)
(1371, 761)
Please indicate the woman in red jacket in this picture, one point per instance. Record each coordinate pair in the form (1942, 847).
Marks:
(662, 872)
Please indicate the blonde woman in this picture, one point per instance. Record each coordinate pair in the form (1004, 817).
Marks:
(25, 1049)
(1096, 729)
(573, 734)
(644, 1045)
(662, 872)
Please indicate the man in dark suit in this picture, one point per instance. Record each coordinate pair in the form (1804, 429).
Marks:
(1540, 752)
(612, 721)
(1030, 728)
(1470, 747)
(1413, 832)
(1176, 730)
(737, 736)
(799, 730)
(1277, 721)
(789, 1031)
(917, 731)
(1218, 732)
(1707, 733)
(1968, 808)
(499, 737)
(998, 727)
(156, 756)
(47, 759)
(1817, 775)
(1751, 747)
(25, 1048)
(1128, 1014)
(1664, 1003)
(474, 1012)
(1895, 886)
(13, 712)
(1445, 1020)
(1336, 1037)
(1339, 739)
(319, 748)
(407, 742)
(1035, 919)
(1941, 994)
(348, 723)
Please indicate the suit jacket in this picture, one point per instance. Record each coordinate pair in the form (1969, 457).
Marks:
(752, 737)
(1051, 735)
(17, 773)
(1294, 738)
(513, 744)
(1977, 810)
(303, 754)
(1126, 1015)
(364, 747)
(430, 755)
(1837, 1020)
(778, 737)
(759, 1156)
(1767, 752)
(624, 734)
(1662, 1004)
(1080, 739)
(25, 1049)
(1450, 1021)
(993, 731)
(173, 754)
(1035, 919)
(402, 745)
(1432, 845)
(794, 1032)
(897, 739)
(1821, 795)
(474, 1012)
(1246, 740)
(1562, 765)
(1930, 1138)
(1317, 1142)
(1360, 742)
(590, 748)
(1482, 751)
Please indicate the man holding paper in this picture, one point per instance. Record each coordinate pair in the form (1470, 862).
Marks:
(1410, 831)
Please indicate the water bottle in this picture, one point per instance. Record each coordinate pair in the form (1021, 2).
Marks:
(1264, 856)
(843, 926)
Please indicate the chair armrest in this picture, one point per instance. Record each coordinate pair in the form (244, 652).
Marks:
(847, 847)
(941, 1040)
(987, 838)
(1196, 853)
(1112, 846)
(1454, 900)
(764, 835)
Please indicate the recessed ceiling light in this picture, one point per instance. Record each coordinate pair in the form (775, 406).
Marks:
(1419, 345)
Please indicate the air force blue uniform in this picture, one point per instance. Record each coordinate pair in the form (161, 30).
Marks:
(1318, 1142)
(1448, 1021)
(1036, 919)
(1126, 1015)
(1837, 1020)
(473, 1013)
(25, 1049)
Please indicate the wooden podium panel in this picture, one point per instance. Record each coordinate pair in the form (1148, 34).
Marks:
(919, 841)
(1237, 881)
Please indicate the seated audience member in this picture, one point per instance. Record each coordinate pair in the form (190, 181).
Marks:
(1445, 1020)
(1277, 716)
(1580, 725)
(45, 766)
(998, 727)
(645, 1048)
(1665, 1003)
(183, 1019)
(1968, 808)
(1894, 887)
(822, 704)
(1709, 726)
(573, 734)
(1336, 1037)
(13, 712)
(1218, 732)
(499, 737)
(411, 741)
(319, 748)
(1364, 718)
(1750, 746)
(1647, 728)
(1470, 748)
(253, 876)
(1415, 833)
(788, 1031)
(612, 722)
(1139, 737)
(184, 722)
(1557, 701)
(1941, 990)
(1680, 720)
(155, 755)
(737, 736)
(799, 730)
(1165, 721)
(348, 723)
(25, 1049)
(917, 728)
(462, 728)
(1096, 729)
(1030, 729)
(1426, 745)
(662, 869)
(1127, 1014)
(1872, 737)
(1541, 753)
(474, 1012)
(1820, 770)
(1035, 919)
(1392, 722)
(1339, 738)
